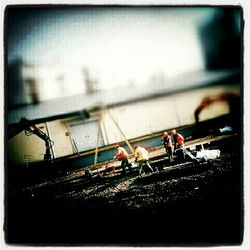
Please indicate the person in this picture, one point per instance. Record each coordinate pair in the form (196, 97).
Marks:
(178, 141)
(108, 169)
(167, 142)
(122, 155)
(88, 174)
(141, 157)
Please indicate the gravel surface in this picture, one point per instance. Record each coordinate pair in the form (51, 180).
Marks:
(183, 205)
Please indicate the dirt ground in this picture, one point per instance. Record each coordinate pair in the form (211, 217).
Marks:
(185, 204)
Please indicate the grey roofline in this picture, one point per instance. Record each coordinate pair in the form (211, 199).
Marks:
(79, 104)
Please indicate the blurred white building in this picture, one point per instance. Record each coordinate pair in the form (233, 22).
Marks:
(131, 113)
(39, 83)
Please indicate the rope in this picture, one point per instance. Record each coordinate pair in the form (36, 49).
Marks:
(112, 118)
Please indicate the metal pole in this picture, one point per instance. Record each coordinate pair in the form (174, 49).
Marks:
(52, 149)
(72, 141)
(129, 145)
(97, 141)
(104, 128)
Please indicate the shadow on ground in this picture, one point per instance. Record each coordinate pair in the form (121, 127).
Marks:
(196, 205)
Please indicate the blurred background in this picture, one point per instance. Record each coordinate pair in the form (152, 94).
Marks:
(54, 51)
(92, 76)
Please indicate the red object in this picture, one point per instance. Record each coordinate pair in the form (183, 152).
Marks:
(165, 134)
(180, 139)
(121, 153)
(167, 140)
(173, 132)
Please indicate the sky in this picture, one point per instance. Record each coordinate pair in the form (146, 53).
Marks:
(119, 46)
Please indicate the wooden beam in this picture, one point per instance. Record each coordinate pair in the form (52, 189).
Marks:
(112, 118)
(97, 139)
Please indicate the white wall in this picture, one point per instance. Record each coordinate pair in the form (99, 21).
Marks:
(146, 117)
(62, 142)
(33, 148)
(30, 146)
(55, 81)
(134, 119)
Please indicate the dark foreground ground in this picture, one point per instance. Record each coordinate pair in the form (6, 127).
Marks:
(193, 206)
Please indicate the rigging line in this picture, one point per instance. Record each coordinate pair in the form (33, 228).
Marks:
(112, 118)
(97, 139)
